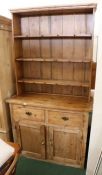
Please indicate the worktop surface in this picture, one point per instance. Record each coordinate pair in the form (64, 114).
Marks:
(53, 101)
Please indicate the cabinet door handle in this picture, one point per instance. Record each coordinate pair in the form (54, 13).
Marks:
(65, 118)
(28, 113)
(43, 143)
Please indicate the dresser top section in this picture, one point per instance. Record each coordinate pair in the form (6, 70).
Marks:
(53, 101)
(83, 8)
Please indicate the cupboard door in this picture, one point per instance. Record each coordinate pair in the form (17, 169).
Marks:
(64, 146)
(32, 137)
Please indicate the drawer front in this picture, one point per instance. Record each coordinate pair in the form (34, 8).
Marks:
(30, 113)
(65, 118)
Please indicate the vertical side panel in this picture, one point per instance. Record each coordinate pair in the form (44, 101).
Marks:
(56, 48)
(45, 48)
(79, 72)
(26, 48)
(43, 141)
(56, 25)
(68, 49)
(46, 70)
(89, 24)
(35, 48)
(18, 48)
(34, 26)
(77, 91)
(87, 68)
(25, 26)
(88, 53)
(68, 71)
(44, 25)
(79, 49)
(68, 25)
(16, 24)
(80, 24)
(50, 142)
(35, 70)
(26, 66)
(57, 71)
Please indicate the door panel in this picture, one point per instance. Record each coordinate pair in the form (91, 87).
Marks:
(64, 145)
(32, 138)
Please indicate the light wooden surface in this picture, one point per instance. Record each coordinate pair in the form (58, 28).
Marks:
(6, 75)
(67, 48)
(85, 8)
(51, 127)
(53, 101)
(53, 65)
(65, 146)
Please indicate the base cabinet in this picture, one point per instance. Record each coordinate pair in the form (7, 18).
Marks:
(54, 135)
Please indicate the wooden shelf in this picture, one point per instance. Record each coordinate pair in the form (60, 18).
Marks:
(86, 36)
(70, 9)
(54, 82)
(54, 46)
(54, 59)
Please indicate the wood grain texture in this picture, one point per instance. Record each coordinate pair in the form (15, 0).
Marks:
(7, 81)
(64, 145)
(60, 127)
(53, 101)
(81, 8)
(53, 72)
(57, 39)
(29, 133)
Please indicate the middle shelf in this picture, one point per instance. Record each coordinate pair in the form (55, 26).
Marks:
(76, 36)
(54, 59)
(54, 82)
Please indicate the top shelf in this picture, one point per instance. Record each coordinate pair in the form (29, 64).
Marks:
(81, 8)
(86, 36)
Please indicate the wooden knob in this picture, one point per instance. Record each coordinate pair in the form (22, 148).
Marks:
(65, 118)
(28, 113)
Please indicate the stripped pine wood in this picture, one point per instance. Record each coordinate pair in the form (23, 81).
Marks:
(53, 58)
(34, 26)
(45, 49)
(44, 25)
(7, 79)
(50, 49)
(68, 20)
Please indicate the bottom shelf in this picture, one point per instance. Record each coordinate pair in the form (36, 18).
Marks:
(53, 87)
(54, 82)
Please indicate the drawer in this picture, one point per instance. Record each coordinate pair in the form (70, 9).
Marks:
(65, 118)
(31, 113)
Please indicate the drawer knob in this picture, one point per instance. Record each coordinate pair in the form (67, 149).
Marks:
(65, 118)
(29, 113)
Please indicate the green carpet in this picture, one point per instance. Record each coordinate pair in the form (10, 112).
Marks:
(27, 166)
